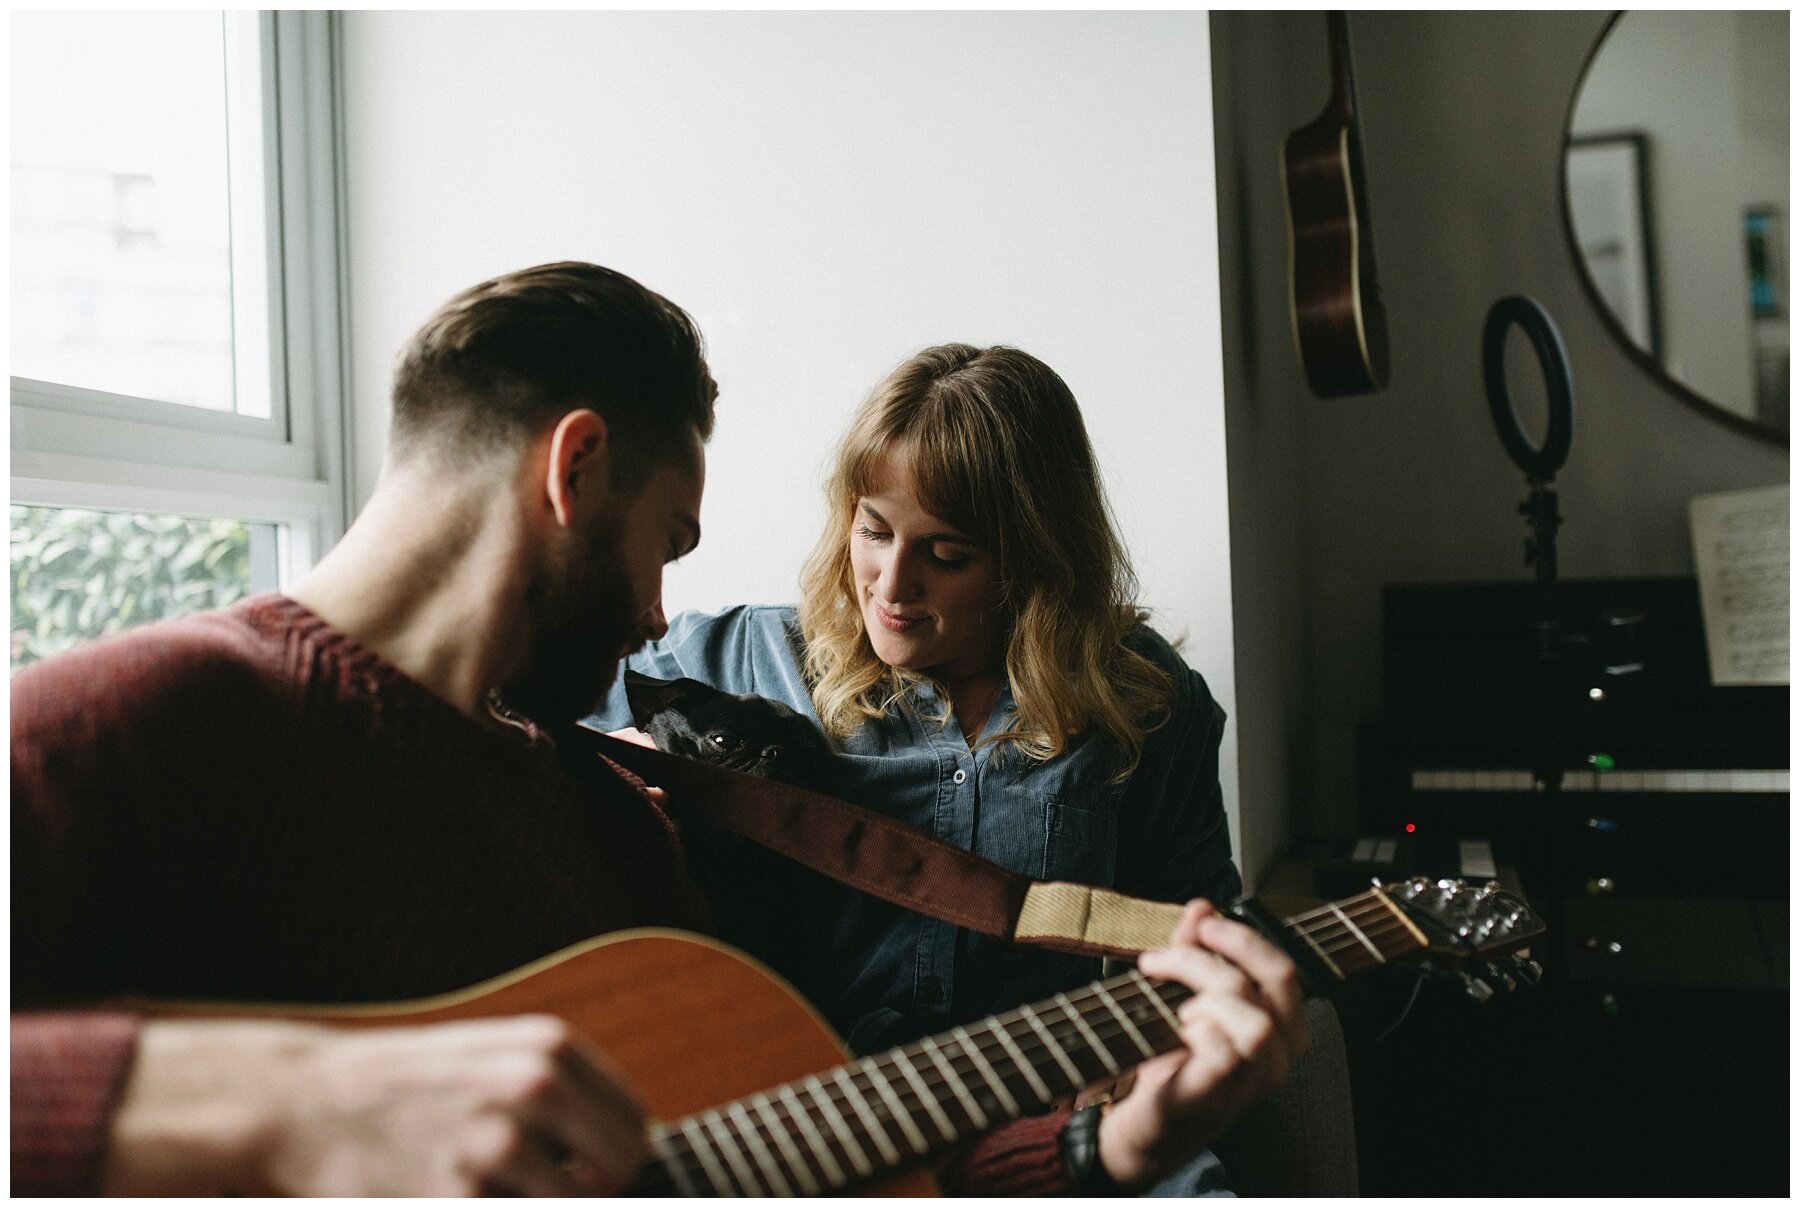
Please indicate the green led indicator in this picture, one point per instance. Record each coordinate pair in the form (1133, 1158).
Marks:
(1602, 762)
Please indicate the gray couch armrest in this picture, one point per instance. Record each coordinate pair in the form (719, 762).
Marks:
(1300, 1138)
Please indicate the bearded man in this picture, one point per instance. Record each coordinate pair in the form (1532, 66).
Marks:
(351, 793)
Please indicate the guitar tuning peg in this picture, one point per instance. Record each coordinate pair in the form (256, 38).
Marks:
(1477, 989)
(1503, 977)
(1529, 971)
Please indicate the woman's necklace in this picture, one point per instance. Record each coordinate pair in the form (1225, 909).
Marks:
(973, 722)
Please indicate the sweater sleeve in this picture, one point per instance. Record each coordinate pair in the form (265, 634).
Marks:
(68, 1071)
(1020, 1158)
(74, 782)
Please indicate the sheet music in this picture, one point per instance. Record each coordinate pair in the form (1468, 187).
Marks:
(1741, 557)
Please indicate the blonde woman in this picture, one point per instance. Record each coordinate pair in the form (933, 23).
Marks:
(967, 636)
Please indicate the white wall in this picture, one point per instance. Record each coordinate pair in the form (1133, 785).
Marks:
(827, 193)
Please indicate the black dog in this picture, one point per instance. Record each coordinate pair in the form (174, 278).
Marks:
(745, 733)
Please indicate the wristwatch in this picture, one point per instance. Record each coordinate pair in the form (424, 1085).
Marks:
(1079, 1142)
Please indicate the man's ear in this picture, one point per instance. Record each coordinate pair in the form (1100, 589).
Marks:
(580, 460)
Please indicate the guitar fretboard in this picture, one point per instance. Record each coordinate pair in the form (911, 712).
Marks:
(847, 1125)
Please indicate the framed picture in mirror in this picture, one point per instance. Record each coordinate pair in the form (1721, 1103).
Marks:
(1609, 203)
(1675, 197)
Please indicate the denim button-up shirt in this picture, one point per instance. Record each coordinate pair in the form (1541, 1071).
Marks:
(883, 974)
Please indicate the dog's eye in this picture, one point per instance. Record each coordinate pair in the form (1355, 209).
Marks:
(721, 740)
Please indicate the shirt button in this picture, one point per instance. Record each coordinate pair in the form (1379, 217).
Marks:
(960, 776)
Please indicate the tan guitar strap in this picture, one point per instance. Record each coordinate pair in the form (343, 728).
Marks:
(894, 862)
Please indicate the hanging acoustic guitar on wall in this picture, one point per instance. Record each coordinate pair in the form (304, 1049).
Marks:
(1340, 329)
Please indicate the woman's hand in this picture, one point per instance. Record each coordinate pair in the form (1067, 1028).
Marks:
(658, 795)
(1242, 1029)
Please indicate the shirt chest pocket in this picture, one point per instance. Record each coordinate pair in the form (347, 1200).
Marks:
(1081, 842)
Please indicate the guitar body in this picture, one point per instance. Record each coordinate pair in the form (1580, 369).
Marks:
(1340, 328)
(690, 1023)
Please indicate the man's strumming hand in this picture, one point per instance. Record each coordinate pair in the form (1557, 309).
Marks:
(517, 1106)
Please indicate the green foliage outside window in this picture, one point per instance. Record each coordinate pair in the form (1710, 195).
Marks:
(78, 575)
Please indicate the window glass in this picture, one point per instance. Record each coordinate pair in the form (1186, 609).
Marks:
(79, 575)
(122, 234)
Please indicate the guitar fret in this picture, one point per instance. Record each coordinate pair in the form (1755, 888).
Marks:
(901, 1117)
(906, 1067)
(666, 1157)
(1125, 1021)
(1092, 1037)
(1314, 944)
(701, 1147)
(815, 1140)
(796, 1164)
(1169, 1017)
(852, 1150)
(988, 1073)
(1417, 935)
(1357, 932)
(977, 1117)
(871, 1122)
(732, 1152)
(765, 1160)
(1019, 1062)
(1076, 1081)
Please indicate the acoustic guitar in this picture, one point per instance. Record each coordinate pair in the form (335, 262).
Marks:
(754, 1095)
(1340, 328)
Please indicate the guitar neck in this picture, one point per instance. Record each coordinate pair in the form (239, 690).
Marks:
(850, 1124)
(1342, 104)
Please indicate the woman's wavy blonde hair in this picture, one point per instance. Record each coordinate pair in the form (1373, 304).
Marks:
(1000, 452)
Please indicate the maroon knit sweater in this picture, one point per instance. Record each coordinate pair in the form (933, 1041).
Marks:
(249, 805)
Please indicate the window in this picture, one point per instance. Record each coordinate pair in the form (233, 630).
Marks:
(80, 574)
(178, 373)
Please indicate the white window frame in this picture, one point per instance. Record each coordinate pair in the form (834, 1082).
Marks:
(79, 447)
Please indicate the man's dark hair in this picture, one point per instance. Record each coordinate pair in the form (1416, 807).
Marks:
(501, 360)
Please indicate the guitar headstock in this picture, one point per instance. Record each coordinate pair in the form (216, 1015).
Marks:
(1477, 933)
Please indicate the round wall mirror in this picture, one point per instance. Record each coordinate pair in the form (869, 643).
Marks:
(1675, 190)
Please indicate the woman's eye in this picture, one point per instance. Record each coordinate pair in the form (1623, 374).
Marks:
(869, 534)
(950, 561)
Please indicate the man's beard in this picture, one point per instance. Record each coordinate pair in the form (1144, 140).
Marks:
(582, 624)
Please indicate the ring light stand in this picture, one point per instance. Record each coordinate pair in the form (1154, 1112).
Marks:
(1540, 463)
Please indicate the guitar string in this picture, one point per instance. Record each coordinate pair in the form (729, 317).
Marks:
(678, 1140)
(1351, 940)
(1064, 1038)
(1336, 937)
(1326, 918)
(960, 1058)
(1069, 1041)
(1345, 938)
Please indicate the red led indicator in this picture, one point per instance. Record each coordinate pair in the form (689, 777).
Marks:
(1410, 828)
